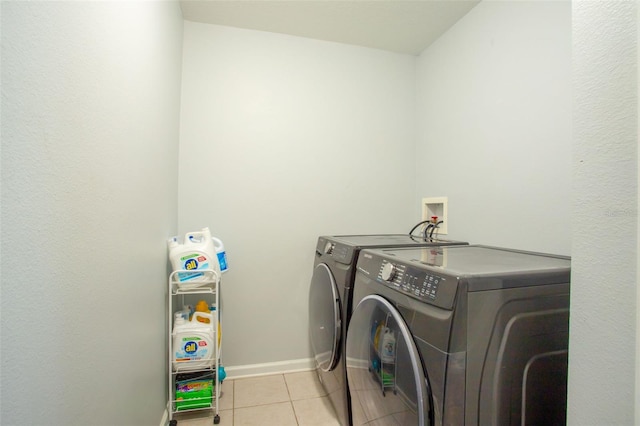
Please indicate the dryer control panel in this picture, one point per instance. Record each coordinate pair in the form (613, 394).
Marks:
(338, 252)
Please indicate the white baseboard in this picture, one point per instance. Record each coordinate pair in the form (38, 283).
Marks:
(280, 367)
(165, 418)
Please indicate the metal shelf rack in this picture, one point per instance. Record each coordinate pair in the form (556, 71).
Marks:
(184, 288)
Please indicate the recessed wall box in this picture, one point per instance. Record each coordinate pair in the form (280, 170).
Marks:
(436, 206)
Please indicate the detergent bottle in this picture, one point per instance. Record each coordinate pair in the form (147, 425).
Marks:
(388, 346)
(222, 255)
(185, 313)
(192, 342)
(196, 254)
(202, 306)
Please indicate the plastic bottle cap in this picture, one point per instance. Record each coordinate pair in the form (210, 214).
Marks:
(202, 306)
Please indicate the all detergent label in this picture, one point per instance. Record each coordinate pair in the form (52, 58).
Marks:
(192, 348)
(193, 262)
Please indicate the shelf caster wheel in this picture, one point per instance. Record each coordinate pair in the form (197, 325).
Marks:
(173, 423)
(216, 419)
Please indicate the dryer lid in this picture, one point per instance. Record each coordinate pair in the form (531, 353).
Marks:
(389, 240)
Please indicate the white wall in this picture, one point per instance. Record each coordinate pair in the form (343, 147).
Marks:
(602, 347)
(530, 128)
(90, 102)
(90, 110)
(284, 139)
(494, 125)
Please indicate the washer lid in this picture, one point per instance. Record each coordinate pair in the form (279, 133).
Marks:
(325, 322)
(387, 382)
(483, 267)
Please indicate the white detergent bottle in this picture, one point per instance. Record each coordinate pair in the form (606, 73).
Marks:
(222, 255)
(192, 342)
(196, 254)
(388, 346)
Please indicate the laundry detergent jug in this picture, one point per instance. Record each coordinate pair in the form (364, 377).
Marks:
(222, 255)
(195, 255)
(193, 342)
(388, 346)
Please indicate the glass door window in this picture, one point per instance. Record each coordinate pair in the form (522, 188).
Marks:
(387, 382)
(324, 318)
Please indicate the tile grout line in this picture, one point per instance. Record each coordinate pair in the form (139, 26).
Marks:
(298, 420)
(286, 384)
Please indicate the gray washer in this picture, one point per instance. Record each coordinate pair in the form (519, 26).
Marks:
(330, 298)
(479, 336)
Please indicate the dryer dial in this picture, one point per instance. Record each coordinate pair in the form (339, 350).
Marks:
(388, 271)
(328, 248)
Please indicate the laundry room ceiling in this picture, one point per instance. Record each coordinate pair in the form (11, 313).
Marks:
(393, 25)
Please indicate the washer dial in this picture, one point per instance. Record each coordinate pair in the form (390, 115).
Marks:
(388, 271)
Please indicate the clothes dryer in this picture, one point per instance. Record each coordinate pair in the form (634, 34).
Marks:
(330, 300)
(461, 335)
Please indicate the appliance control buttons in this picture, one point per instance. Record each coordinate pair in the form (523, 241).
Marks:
(388, 271)
(417, 284)
(430, 287)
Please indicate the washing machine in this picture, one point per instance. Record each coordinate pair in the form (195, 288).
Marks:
(460, 335)
(330, 298)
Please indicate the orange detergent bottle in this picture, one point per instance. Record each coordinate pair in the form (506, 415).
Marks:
(202, 306)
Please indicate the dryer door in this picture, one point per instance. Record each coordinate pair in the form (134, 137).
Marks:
(386, 379)
(324, 318)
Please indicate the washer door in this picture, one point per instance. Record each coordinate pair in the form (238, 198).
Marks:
(387, 381)
(324, 318)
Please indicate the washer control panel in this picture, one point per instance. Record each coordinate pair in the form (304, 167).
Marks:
(417, 283)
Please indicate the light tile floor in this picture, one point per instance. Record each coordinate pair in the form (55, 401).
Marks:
(292, 399)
